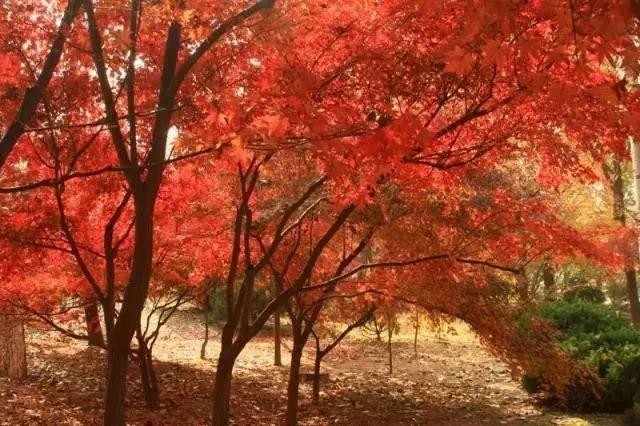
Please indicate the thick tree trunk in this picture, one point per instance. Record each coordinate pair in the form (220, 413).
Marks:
(94, 329)
(222, 389)
(117, 363)
(128, 320)
(277, 336)
(293, 390)
(13, 348)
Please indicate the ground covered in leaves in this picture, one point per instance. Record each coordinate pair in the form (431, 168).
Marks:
(453, 381)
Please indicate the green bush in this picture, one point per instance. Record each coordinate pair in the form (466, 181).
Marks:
(574, 317)
(218, 304)
(603, 340)
(586, 293)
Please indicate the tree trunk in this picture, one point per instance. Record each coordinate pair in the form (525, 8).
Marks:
(389, 349)
(549, 280)
(13, 349)
(94, 329)
(34, 94)
(277, 335)
(523, 288)
(134, 299)
(117, 362)
(377, 328)
(148, 378)
(293, 390)
(415, 335)
(635, 157)
(316, 378)
(203, 349)
(632, 295)
(617, 185)
(222, 389)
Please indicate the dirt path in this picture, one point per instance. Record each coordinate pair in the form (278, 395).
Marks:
(452, 382)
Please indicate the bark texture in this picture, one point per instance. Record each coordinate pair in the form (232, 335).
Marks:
(614, 173)
(13, 353)
(94, 329)
(277, 337)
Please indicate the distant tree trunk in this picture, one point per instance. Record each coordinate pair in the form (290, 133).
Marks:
(389, 337)
(635, 157)
(94, 329)
(203, 349)
(549, 280)
(277, 336)
(614, 174)
(632, 295)
(13, 348)
(416, 325)
(523, 288)
(316, 376)
(378, 331)
(208, 308)
(321, 353)
(377, 328)
(632, 285)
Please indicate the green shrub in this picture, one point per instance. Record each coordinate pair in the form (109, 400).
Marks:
(586, 293)
(604, 341)
(574, 317)
(632, 416)
(218, 304)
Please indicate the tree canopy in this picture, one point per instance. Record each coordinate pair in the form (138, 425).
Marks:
(367, 150)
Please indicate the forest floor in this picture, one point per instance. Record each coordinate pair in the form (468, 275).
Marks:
(453, 381)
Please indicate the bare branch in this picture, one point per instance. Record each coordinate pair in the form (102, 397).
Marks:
(399, 264)
(216, 35)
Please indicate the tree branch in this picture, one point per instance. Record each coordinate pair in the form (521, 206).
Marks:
(107, 95)
(34, 94)
(399, 264)
(214, 36)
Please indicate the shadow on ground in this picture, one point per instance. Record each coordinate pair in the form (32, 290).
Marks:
(66, 387)
(449, 383)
